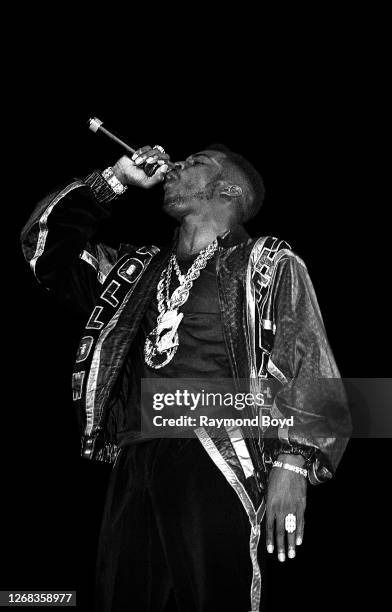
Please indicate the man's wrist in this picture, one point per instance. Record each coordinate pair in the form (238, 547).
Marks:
(290, 467)
(119, 174)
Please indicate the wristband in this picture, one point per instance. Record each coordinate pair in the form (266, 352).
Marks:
(113, 181)
(307, 452)
(291, 468)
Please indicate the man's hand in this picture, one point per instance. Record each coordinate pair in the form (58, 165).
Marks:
(129, 172)
(286, 495)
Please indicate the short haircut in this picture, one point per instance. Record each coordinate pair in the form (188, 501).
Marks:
(252, 200)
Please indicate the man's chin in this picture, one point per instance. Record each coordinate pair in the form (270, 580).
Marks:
(174, 206)
(172, 200)
(181, 202)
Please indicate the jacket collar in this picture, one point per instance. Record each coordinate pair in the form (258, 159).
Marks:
(233, 236)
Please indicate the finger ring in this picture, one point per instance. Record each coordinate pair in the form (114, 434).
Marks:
(290, 523)
(161, 149)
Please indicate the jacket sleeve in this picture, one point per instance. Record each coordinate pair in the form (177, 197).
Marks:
(313, 393)
(58, 242)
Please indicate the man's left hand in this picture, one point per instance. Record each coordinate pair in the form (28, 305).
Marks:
(286, 495)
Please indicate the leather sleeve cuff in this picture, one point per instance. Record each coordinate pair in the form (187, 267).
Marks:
(308, 452)
(101, 189)
(318, 472)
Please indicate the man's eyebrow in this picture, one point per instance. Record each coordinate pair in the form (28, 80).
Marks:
(208, 157)
(200, 155)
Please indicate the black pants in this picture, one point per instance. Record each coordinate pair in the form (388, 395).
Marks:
(172, 523)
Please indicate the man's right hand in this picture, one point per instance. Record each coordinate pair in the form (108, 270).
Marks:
(128, 170)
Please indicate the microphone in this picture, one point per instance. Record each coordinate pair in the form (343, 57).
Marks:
(96, 125)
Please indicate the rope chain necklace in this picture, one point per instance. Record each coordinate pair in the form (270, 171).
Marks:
(162, 342)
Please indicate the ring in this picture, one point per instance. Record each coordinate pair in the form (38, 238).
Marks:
(290, 523)
(161, 149)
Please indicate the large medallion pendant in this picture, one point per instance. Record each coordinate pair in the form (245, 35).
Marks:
(162, 343)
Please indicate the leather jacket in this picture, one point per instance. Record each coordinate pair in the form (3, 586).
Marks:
(271, 322)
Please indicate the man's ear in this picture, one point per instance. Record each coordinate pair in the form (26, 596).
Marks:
(231, 191)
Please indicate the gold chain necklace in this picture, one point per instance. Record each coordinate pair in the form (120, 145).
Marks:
(162, 342)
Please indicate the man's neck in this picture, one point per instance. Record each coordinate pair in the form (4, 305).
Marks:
(195, 234)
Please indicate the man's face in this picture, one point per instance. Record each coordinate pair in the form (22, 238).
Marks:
(192, 183)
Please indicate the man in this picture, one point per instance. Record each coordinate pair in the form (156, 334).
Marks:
(185, 515)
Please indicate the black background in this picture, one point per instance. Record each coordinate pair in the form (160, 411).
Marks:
(309, 132)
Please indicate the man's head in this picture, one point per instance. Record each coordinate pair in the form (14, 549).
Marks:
(214, 182)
